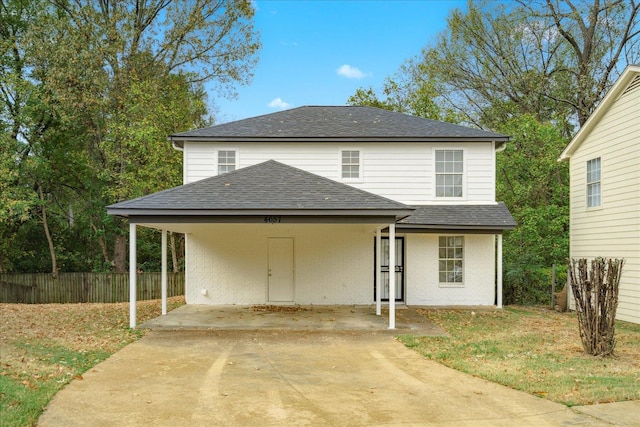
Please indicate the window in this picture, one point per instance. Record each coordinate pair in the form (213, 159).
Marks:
(448, 173)
(226, 161)
(350, 164)
(593, 183)
(450, 257)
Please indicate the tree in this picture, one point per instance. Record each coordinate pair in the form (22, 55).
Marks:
(407, 92)
(534, 70)
(554, 59)
(593, 37)
(110, 80)
(535, 187)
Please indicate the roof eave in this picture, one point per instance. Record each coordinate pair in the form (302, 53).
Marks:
(620, 85)
(179, 142)
(452, 228)
(129, 212)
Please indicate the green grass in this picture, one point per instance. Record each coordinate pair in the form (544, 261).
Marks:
(23, 395)
(534, 350)
(44, 347)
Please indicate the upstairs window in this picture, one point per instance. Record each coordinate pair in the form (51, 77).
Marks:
(351, 164)
(593, 183)
(450, 259)
(226, 161)
(449, 171)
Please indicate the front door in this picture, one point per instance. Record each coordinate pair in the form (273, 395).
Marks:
(280, 269)
(398, 268)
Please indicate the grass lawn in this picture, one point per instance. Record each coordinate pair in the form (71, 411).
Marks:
(535, 350)
(43, 347)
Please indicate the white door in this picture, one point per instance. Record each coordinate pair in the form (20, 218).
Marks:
(280, 264)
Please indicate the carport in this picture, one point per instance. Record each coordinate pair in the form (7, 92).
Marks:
(265, 196)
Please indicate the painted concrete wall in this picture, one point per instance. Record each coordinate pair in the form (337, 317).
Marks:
(402, 171)
(613, 229)
(334, 264)
(422, 272)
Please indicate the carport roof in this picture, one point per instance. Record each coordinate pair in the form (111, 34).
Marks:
(269, 188)
(480, 218)
(331, 123)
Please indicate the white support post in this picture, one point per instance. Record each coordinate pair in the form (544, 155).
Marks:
(164, 272)
(499, 272)
(378, 271)
(132, 275)
(392, 276)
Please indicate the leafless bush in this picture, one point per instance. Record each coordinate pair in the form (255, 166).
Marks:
(596, 296)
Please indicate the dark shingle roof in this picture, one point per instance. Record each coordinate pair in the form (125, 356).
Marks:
(338, 122)
(494, 217)
(268, 186)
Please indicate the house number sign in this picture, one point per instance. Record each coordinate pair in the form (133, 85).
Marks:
(272, 219)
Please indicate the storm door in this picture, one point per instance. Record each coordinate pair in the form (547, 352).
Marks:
(398, 269)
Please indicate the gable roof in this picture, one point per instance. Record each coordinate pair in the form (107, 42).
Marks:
(459, 217)
(330, 123)
(627, 77)
(269, 188)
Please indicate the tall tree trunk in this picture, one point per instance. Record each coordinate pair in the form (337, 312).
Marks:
(120, 254)
(45, 224)
(174, 254)
(103, 245)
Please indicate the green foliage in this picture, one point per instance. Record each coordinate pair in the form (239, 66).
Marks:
(533, 70)
(535, 186)
(408, 92)
(89, 94)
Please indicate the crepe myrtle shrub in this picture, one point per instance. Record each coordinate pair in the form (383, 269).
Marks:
(595, 287)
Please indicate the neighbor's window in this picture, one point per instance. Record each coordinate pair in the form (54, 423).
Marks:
(449, 173)
(351, 164)
(226, 161)
(450, 259)
(593, 183)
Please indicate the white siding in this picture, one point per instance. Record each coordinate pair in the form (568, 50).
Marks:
(423, 286)
(612, 230)
(400, 171)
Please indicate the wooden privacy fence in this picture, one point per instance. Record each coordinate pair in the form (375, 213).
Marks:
(42, 288)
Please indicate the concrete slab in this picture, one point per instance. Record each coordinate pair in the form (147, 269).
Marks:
(293, 378)
(294, 318)
(617, 413)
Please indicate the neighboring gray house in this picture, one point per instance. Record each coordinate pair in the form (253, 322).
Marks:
(290, 208)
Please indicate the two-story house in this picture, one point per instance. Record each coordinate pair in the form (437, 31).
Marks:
(309, 205)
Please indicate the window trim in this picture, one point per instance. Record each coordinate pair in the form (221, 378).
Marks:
(464, 174)
(360, 177)
(452, 284)
(218, 164)
(588, 184)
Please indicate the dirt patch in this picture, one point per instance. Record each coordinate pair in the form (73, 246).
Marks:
(279, 308)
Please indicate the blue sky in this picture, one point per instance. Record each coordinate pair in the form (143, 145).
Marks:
(320, 52)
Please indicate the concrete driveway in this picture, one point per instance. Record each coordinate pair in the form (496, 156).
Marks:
(283, 378)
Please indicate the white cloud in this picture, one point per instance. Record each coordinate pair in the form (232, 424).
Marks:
(279, 104)
(350, 72)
